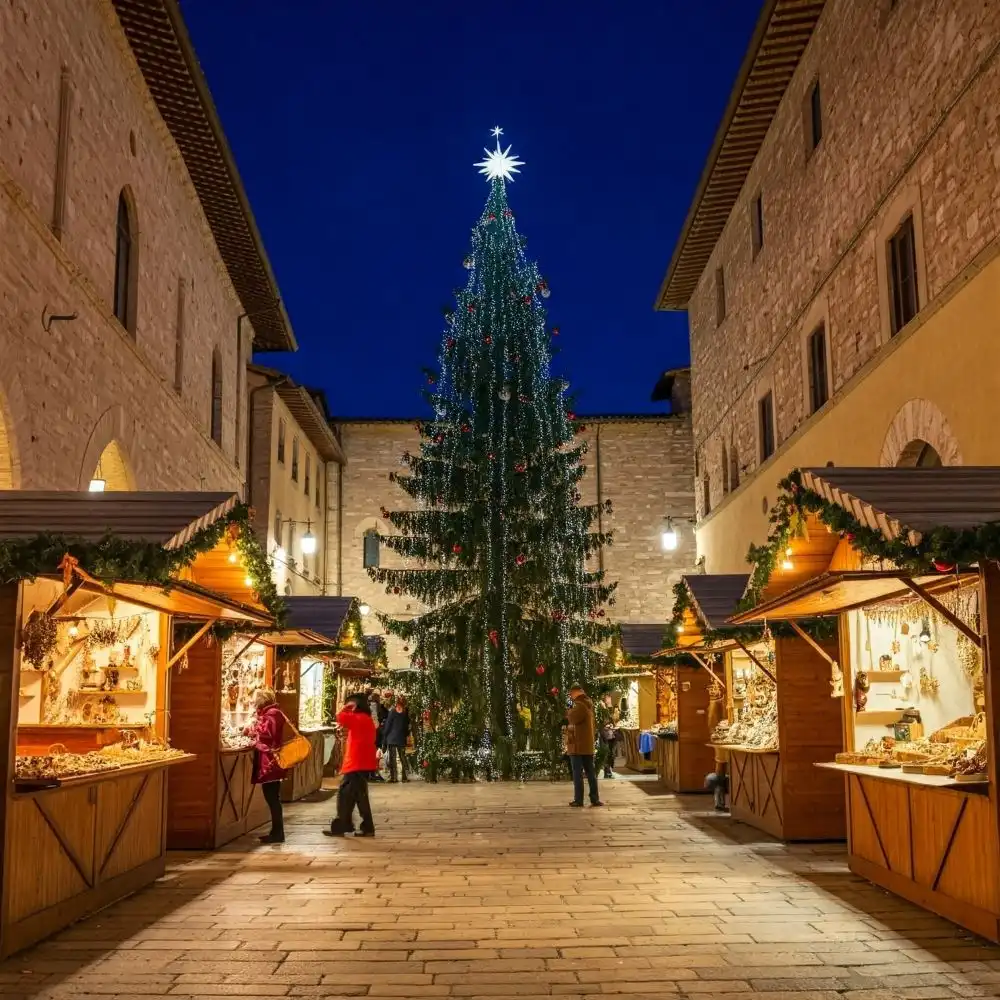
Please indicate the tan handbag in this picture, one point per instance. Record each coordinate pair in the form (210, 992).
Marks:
(295, 748)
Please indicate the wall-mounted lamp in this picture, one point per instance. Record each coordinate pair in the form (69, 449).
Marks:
(668, 538)
(364, 609)
(308, 540)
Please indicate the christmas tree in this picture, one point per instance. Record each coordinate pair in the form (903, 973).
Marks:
(497, 541)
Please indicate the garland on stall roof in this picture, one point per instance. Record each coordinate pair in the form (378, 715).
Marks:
(749, 635)
(113, 558)
(941, 549)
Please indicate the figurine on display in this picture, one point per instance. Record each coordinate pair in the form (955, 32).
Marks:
(862, 686)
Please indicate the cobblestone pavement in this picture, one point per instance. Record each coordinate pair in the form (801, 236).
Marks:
(503, 891)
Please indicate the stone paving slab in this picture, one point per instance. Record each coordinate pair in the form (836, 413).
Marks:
(502, 891)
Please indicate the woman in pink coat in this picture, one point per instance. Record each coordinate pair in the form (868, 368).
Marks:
(268, 732)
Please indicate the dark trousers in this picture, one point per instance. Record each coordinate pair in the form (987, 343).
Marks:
(353, 793)
(399, 752)
(272, 796)
(609, 761)
(583, 763)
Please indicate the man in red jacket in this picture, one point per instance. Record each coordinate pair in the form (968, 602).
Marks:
(359, 761)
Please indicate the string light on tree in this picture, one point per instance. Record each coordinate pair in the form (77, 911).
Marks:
(497, 525)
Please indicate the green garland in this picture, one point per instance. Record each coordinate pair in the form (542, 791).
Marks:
(941, 549)
(112, 558)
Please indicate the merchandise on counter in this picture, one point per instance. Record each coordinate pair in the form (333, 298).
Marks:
(233, 737)
(60, 763)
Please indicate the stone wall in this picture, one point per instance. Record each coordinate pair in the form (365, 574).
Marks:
(68, 391)
(646, 470)
(910, 125)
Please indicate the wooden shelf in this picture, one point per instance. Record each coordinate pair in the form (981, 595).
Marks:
(886, 718)
(896, 774)
(115, 692)
(85, 725)
(884, 675)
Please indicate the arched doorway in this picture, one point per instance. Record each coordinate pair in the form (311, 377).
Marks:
(918, 454)
(112, 473)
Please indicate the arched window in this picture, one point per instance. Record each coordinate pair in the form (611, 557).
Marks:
(371, 553)
(734, 467)
(706, 486)
(725, 471)
(919, 454)
(217, 398)
(126, 263)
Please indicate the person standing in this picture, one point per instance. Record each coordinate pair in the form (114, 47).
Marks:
(395, 732)
(379, 714)
(581, 738)
(267, 732)
(610, 717)
(359, 761)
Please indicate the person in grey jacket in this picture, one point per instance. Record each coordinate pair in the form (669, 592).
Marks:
(395, 732)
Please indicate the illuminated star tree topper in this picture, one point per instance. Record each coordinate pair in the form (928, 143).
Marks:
(499, 164)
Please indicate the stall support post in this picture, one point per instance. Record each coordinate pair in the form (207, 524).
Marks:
(10, 615)
(989, 581)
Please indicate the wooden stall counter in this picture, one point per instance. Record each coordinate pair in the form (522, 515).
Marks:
(307, 777)
(634, 759)
(929, 839)
(100, 837)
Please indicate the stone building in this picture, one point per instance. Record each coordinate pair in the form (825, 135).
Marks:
(133, 282)
(642, 463)
(839, 264)
(293, 454)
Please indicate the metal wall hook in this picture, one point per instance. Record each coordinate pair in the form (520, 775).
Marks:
(49, 318)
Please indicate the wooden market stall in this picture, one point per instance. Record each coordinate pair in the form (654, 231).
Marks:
(919, 698)
(698, 677)
(85, 678)
(645, 704)
(322, 636)
(787, 722)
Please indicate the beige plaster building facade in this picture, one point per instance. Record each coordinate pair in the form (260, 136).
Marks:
(643, 464)
(133, 282)
(294, 453)
(840, 264)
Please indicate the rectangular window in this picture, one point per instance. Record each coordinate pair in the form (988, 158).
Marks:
(819, 380)
(277, 527)
(706, 487)
(295, 459)
(765, 420)
(308, 473)
(757, 224)
(318, 479)
(371, 552)
(815, 116)
(281, 441)
(720, 296)
(903, 293)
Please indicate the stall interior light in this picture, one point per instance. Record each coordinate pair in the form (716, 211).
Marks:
(97, 485)
(232, 557)
(247, 581)
(786, 563)
(669, 537)
(73, 631)
(308, 540)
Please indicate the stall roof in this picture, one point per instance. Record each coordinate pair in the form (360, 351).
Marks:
(716, 596)
(313, 621)
(833, 593)
(641, 640)
(168, 519)
(901, 501)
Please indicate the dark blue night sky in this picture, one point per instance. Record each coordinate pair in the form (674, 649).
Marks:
(355, 126)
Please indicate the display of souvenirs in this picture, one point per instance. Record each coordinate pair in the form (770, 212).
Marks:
(233, 737)
(664, 728)
(59, 763)
(243, 674)
(957, 749)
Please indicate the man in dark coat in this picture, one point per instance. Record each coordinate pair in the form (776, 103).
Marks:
(581, 739)
(395, 732)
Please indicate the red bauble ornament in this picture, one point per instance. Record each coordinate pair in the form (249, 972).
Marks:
(490, 455)
(491, 217)
(521, 560)
(438, 438)
(943, 567)
(850, 536)
(487, 340)
(581, 428)
(570, 415)
(494, 637)
(425, 715)
(540, 669)
(524, 399)
(508, 214)
(465, 428)
(456, 548)
(526, 299)
(554, 692)
(450, 343)
(600, 614)
(431, 380)
(520, 467)
(425, 763)
(471, 307)
(555, 331)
